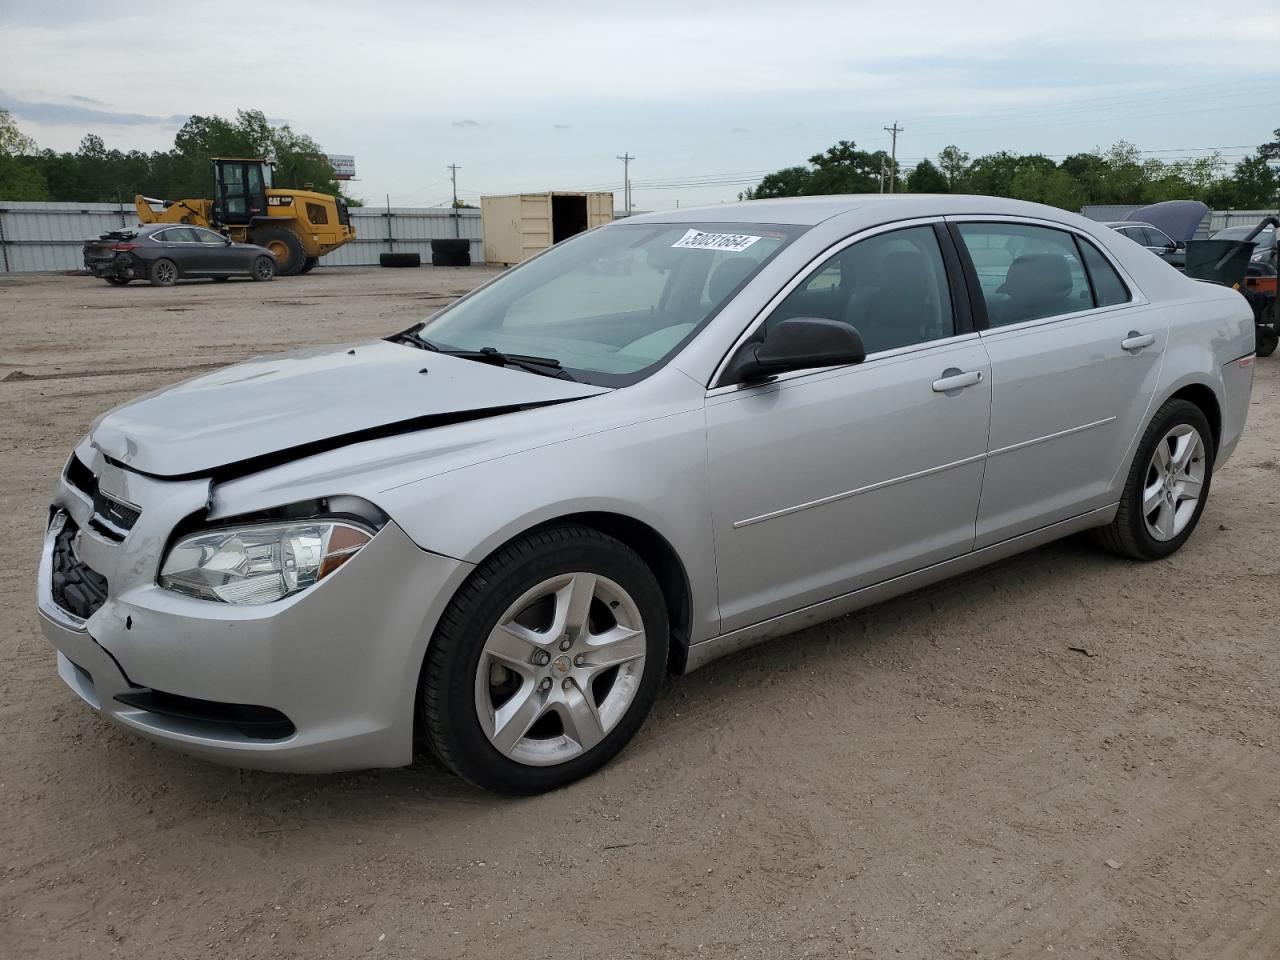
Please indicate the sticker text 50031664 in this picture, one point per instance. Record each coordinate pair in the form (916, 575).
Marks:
(697, 240)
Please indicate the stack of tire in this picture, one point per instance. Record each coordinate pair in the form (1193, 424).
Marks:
(451, 253)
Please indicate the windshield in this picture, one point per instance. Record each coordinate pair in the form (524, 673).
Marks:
(612, 304)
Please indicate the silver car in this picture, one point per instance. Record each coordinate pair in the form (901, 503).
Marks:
(654, 444)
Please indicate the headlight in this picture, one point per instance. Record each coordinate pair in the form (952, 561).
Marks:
(260, 563)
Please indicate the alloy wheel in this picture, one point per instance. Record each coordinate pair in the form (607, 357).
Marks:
(1174, 482)
(560, 668)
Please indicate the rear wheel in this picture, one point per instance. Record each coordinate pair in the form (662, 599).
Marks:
(309, 264)
(546, 662)
(163, 273)
(1167, 487)
(285, 246)
(264, 268)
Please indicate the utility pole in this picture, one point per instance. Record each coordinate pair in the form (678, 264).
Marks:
(893, 151)
(453, 175)
(626, 159)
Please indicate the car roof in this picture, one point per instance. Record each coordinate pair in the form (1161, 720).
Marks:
(810, 211)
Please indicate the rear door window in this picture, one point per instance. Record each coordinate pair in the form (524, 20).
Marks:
(1026, 272)
(179, 235)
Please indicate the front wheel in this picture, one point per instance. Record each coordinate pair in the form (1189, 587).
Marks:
(1167, 486)
(117, 281)
(285, 246)
(546, 662)
(264, 268)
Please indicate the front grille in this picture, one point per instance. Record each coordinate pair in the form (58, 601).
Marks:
(112, 519)
(76, 588)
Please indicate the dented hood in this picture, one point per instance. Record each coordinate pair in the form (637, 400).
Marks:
(273, 409)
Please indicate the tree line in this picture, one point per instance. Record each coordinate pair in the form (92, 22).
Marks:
(1117, 175)
(92, 173)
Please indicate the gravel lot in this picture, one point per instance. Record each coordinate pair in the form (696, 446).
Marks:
(941, 776)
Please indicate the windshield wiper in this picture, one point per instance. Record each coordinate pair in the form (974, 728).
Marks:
(543, 366)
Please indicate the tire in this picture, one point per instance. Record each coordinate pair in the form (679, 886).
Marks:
(399, 259)
(1133, 533)
(459, 681)
(1267, 340)
(309, 264)
(285, 246)
(163, 273)
(117, 281)
(264, 268)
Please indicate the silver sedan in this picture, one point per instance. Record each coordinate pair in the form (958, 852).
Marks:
(650, 446)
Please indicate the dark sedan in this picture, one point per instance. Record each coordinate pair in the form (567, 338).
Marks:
(165, 253)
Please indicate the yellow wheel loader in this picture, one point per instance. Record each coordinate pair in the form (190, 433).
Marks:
(297, 226)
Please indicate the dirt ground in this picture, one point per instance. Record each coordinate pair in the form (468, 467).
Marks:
(941, 776)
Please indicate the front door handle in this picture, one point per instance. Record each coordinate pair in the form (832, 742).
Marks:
(954, 379)
(1137, 341)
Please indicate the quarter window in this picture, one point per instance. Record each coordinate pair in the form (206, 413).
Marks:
(891, 288)
(1026, 272)
(1108, 288)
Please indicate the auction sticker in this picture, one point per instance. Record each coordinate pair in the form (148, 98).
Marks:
(697, 240)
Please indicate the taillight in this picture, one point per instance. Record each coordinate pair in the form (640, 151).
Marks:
(123, 247)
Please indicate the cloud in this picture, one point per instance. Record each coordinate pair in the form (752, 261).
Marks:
(738, 130)
(465, 123)
(76, 96)
(47, 112)
(562, 126)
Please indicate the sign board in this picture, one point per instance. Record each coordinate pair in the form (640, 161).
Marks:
(344, 166)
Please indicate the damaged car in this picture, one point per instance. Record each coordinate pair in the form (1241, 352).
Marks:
(493, 533)
(164, 253)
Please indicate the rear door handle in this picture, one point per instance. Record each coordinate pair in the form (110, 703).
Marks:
(954, 379)
(1137, 341)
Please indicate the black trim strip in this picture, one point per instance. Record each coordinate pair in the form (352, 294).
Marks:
(977, 301)
(961, 310)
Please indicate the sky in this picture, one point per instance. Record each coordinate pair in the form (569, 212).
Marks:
(707, 96)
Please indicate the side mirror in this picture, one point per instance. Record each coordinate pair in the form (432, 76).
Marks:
(1178, 245)
(229, 241)
(799, 343)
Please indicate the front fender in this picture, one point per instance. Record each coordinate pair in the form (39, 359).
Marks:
(653, 472)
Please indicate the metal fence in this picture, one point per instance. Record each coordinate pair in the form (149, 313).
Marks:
(47, 236)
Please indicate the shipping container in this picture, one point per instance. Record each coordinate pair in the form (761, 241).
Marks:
(519, 225)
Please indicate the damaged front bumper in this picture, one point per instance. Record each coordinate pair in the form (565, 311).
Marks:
(322, 681)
